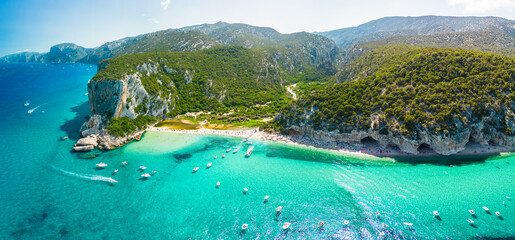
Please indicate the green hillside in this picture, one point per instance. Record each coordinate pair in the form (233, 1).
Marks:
(407, 90)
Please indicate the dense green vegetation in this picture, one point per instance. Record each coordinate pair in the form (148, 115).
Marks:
(123, 126)
(407, 90)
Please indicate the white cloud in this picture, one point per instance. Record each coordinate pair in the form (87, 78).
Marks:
(481, 6)
(165, 4)
(153, 20)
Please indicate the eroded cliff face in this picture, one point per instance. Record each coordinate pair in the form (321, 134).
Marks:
(126, 97)
(481, 132)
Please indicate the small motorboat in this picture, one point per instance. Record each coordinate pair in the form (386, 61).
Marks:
(26, 103)
(346, 222)
(142, 167)
(236, 150)
(278, 209)
(508, 197)
(286, 225)
(115, 171)
(249, 143)
(228, 150)
(472, 212)
(223, 155)
(321, 224)
(408, 224)
(266, 197)
(195, 169)
(245, 190)
(217, 184)
(384, 225)
(209, 165)
(64, 138)
(470, 221)
(498, 214)
(101, 165)
(244, 226)
(246, 139)
(486, 209)
(146, 175)
(124, 163)
(436, 213)
(249, 151)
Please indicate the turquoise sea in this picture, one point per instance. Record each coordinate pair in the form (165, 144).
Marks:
(50, 192)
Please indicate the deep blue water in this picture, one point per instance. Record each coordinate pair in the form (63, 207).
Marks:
(49, 192)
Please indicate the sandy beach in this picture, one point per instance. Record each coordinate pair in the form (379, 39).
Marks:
(357, 150)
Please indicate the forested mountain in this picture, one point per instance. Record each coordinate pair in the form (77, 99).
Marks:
(167, 84)
(425, 25)
(314, 48)
(408, 96)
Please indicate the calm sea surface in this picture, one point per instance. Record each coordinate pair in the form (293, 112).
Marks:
(49, 192)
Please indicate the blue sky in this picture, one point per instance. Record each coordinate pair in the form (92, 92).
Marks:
(36, 25)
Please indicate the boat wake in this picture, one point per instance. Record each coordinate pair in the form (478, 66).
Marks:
(84, 176)
(32, 110)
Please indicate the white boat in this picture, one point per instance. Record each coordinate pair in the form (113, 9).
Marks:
(142, 167)
(228, 150)
(408, 224)
(508, 197)
(346, 222)
(153, 172)
(146, 175)
(436, 213)
(236, 150)
(124, 163)
(472, 212)
(249, 143)
(470, 221)
(26, 103)
(286, 225)
(244, 226)
(209, 165)
(217, 184)
(245, 190)
(116, 170)
(384, 225)
(195, 169)
(278, 209)
(321, 224)
(249, 151)
(266, 197)
(486, 209)
(223, 155)
(381, 233)
(498, 214)
(101, 165)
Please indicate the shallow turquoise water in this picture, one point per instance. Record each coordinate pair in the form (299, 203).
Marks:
(49, 192)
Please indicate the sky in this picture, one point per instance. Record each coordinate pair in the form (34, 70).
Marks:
(36, 25)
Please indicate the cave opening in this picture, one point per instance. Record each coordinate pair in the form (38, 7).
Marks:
(369, 141)
(425, 148)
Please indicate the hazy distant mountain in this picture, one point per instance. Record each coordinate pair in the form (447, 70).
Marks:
(391, 26)
(312, 48)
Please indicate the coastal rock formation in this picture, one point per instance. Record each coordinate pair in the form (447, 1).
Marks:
(444, 146)
(125, 98)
